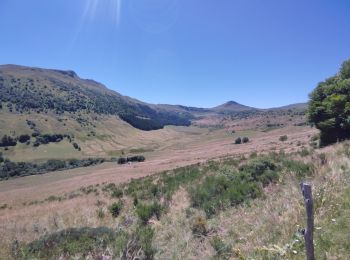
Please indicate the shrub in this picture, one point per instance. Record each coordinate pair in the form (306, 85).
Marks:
(199, 226)
(23, 138)
(35, 134)
(76, 243)
(144, 237)
(300, 169)
(230, 188)
(238, 140)
(116, 208)
(122, 160)
(283, 138)
(146, 212)
(17, 169)
(304, 152)
(245, 140)
(253, 155)
(323, 158)
(260, 170)
(223, 250)
(117, 193)
(137, 158)
(49, 138)
(8, 141)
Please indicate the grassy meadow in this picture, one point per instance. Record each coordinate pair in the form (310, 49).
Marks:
(242, 207)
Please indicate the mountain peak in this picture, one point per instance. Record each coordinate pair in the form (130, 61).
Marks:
(231, 102)
(232, 106)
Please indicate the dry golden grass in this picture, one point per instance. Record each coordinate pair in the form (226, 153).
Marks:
(268, 227)
(174, 147)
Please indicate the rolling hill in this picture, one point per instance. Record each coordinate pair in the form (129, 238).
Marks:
(25, 89)
(56, 114)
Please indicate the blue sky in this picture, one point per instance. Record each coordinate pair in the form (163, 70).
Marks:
(262, 53)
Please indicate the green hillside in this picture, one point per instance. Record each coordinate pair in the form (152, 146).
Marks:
(24, 90)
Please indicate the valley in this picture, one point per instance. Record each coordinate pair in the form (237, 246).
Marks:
(185, 197)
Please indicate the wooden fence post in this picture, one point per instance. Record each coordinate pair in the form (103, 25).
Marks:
(309, 230)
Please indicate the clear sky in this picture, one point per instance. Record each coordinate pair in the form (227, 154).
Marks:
(262, 53)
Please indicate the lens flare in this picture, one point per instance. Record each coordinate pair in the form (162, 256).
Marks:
(110, 9)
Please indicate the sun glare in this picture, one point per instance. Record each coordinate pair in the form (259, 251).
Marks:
(110, 9)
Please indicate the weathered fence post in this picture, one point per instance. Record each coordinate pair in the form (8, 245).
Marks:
(309, 230)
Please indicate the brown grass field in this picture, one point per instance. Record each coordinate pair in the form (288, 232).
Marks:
(266, 228)
(30, 213)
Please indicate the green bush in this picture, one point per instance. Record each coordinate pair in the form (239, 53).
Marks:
(146, 211)
(300, 169)
(144, 238)
(114, 190)
(75, 242)
(116, 208)
(217, 192)
(329, 107)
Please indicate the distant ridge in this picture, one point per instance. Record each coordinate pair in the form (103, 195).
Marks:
(43, 90)
(300, 106)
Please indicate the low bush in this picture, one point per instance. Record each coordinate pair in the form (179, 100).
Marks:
(230, 188)
(116, 208)
(199, 226)
(144, 237)
(9, 169)
(136, 158)
(76, 146)
(283, 138)
(23, 138)
(117, 193)
(299, 168)
(76, 243)
(323, 158)
(168, 183)
(304, 152)
(146, 211)
(223, 250)
(49, 138)
(8, 141)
